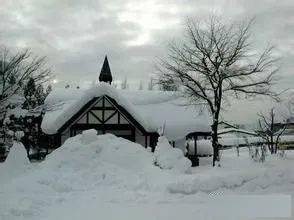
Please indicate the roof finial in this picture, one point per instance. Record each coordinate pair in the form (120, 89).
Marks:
(105, 74)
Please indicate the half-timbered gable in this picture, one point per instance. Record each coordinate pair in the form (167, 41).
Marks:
(106, 116)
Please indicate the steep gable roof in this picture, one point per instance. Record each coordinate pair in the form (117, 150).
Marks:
(92, 102)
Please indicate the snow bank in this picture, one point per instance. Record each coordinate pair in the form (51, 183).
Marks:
(92, 175)
(167, 157)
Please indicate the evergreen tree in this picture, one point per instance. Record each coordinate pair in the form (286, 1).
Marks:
(19, 75)
(30, 94)
(40, 95)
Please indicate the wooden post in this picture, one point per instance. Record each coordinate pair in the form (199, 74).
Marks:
(195, 161)
(195, 145)
(146, 139)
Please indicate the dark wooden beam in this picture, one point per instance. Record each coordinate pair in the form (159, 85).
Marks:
(102, 126)
(95, 116)
(105, 108)
(103, 112)
(134, 134)
(146, 141)
(126, 114)
(77, 115)
(110, 116)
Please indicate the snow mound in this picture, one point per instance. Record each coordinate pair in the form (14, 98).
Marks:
(169, 158)
(89, 160)
(88, 136)
(15, 164)
(89, 148)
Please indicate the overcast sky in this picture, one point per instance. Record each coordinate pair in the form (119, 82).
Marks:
(75, 35)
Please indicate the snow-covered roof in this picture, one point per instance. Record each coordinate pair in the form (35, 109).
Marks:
(235, 130)
(152, 109)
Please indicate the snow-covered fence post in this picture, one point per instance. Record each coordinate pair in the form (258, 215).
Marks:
(256, 154)
(238, 150)
(263, 153)
(281, 150)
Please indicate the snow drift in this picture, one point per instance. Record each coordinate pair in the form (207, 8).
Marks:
(93, 176)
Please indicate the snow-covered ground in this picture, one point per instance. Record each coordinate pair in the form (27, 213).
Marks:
(105, 177)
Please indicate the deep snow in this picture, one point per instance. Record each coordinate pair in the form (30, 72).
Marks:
(105, 177)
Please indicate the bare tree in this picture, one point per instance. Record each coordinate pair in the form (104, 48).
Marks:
(214, 62)
(269, 132)
(16, 69)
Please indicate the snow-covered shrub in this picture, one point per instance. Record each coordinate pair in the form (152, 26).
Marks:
(17, 155)
(15, 164)
(18, 135)
(167, 157)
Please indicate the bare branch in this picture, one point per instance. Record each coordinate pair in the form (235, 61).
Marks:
(16, 69)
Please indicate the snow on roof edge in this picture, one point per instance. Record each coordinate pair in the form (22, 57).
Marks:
(51, 126)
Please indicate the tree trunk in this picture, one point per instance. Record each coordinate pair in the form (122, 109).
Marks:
(215, 144)
(272, 144)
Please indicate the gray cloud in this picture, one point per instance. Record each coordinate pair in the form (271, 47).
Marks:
(75, 35)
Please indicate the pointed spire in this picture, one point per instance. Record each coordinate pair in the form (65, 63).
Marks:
(105, 74)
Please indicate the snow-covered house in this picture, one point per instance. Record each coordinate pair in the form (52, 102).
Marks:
(135, 115)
